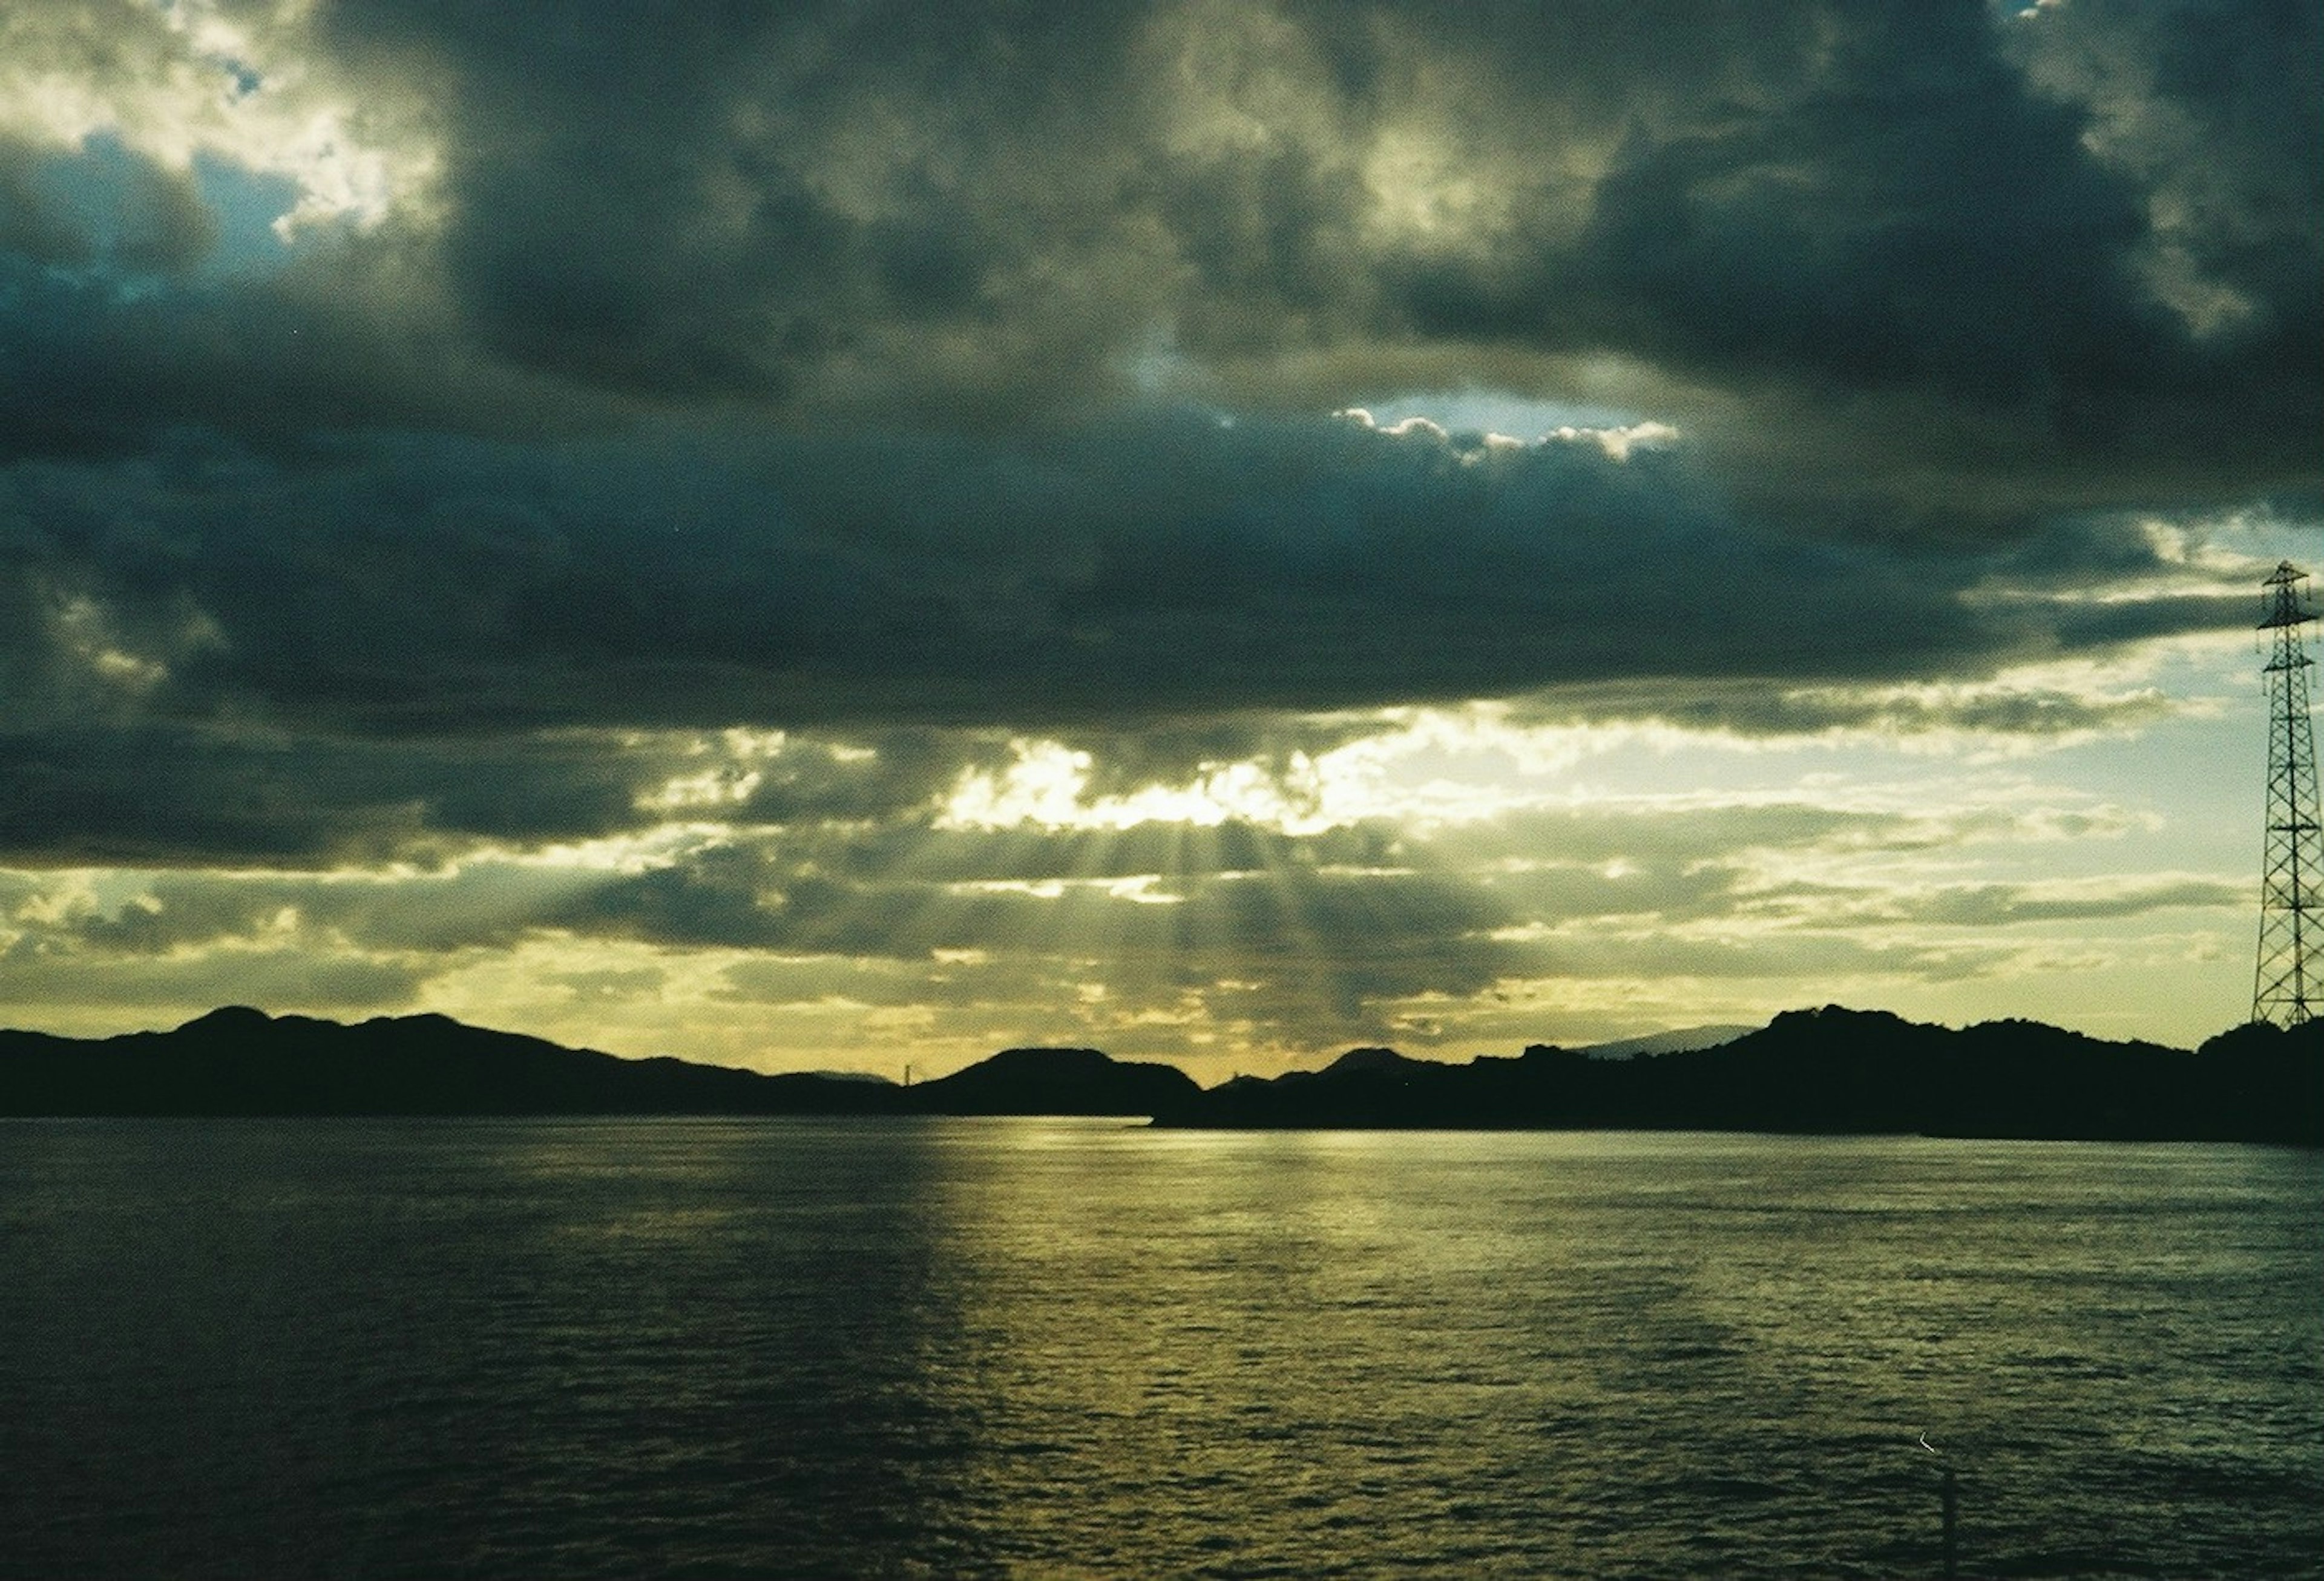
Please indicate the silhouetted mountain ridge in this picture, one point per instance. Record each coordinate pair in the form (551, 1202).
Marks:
(1371, 1062)
(1679, 1041)
(1055, 1081)
(1831, 1070)
(240, 1060)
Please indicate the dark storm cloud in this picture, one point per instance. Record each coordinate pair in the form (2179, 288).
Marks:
(1900, 213)
(1169, 568)
(172, 794)
(154, 793)
(2216, 109)
(814, 366)
(1926, 235)
(1853, 200)
(690, 202)
(431, 642)
(124, 318)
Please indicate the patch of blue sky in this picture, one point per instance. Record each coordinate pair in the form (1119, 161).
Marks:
(113, 214)
(1475, 410)
(246, 206)
(244, 78)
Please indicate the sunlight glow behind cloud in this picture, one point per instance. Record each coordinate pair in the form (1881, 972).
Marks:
(187, 79)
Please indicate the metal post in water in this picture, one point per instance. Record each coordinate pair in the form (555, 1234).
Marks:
(1952, 1519)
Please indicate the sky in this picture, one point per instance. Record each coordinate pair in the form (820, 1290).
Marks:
(835, 536)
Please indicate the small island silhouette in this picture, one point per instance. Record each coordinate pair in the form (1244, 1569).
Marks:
(1826, 1071)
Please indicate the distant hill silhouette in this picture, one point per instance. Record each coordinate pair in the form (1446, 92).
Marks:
(243, 1061)
(1055, 1081)
(1681, 1040)
(1828, 1071)
(239, 1061)
(1809, 1070)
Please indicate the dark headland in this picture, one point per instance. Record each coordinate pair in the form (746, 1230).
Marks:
(1831, 1070)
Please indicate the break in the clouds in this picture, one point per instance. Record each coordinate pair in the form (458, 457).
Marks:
(854, 524)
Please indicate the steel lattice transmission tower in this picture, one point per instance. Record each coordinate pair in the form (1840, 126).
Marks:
(2284, 987)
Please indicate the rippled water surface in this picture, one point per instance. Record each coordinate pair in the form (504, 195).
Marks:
(1060, 1349)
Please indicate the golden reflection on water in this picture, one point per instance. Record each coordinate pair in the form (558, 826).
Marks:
(1607, 1354)
(1080, 1347)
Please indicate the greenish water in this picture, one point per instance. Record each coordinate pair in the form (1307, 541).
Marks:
(1048, 1348)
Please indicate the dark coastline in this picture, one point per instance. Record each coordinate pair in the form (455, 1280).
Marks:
(1828, 1071)
(1834, 1071)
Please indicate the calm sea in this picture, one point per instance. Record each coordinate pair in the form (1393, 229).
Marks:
(635, 1348)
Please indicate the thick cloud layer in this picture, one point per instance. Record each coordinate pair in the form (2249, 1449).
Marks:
(1138, 571)
(2087, 236)
(751, 479)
